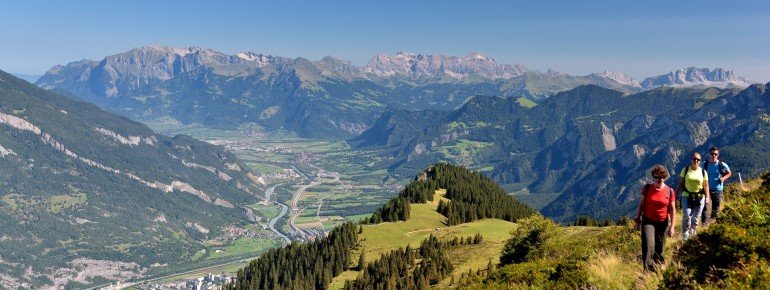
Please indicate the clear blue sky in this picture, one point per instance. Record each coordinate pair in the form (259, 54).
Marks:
(641, 38)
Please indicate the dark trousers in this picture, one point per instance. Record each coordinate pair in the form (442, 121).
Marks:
(711, 210)
(653, 240)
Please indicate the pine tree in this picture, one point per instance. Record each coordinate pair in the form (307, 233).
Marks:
(361, 261)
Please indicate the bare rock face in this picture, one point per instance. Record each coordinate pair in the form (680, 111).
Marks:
(639, 151)
(143, 66)
(352, 128)
(608, 139)
(4, 152)
(699, 132)
(691, 76)
(416, 66)
(619, 77)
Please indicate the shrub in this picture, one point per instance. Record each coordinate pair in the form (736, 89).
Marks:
(527, 239)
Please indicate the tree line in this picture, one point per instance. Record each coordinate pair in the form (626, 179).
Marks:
(407, 268)
(301, 265)
(472, 197)
(592, 222)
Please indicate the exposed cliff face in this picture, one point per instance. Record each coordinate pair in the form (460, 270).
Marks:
(739, 129)
(417, 66)
(620, 78)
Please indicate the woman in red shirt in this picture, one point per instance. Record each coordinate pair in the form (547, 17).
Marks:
(656, 213)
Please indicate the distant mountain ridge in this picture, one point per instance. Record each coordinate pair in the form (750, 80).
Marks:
(691, 77)
(417, 66)
(328, 98)
(620, 78)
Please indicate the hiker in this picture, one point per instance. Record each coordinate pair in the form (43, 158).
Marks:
(693, 187)
(656, 213)
(718, 172)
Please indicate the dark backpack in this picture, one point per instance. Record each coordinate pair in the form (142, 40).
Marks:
(646, 191)
(720, 167)
(693, 198)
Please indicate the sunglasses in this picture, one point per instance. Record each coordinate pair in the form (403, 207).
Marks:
(714, 154)
(696, 159)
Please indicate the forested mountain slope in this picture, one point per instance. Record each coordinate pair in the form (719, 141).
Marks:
(591, 145)
(87, 195)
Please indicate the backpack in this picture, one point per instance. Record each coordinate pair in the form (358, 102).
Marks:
(670, 192)
(720, 167)
(693, 198)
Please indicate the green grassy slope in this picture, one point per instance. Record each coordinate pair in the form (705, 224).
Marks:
(381, 238)
(732, 253)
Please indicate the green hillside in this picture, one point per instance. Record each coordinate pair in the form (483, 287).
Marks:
(88, 197)
(536, 253)
(425, 221)
(733, 253)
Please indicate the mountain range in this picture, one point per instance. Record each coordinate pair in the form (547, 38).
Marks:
(88, 195)
(328, 98)
(692, 77)
(591, 145)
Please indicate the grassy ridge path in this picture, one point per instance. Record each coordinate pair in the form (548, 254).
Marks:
(424, 221)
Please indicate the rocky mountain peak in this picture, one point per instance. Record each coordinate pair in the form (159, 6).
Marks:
(338, 66)
(693, 76)
(436, 66)
(256, 59)
(478, 56)
(169, 49)
(554, 73)
(619, 77)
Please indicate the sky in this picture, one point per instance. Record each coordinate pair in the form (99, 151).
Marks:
(640, 38)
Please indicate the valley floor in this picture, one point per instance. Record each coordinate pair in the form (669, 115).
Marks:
(312, 186)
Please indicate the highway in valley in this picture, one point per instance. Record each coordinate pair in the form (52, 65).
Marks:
(284, 209)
